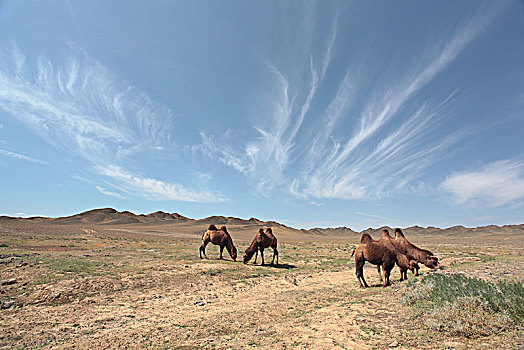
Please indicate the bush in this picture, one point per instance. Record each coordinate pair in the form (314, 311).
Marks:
(467, 306)
(468, 317)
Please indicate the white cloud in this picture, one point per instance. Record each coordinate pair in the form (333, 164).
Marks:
(80, 107)
(358, 147)
(264, 159)
(154, 189)
(494, 184)
(109, 193)
(362, 166)
(226, 155)
(22, 157)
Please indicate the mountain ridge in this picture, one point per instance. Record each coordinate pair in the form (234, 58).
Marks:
(110, 216)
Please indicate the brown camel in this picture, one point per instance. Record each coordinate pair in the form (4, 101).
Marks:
(413, 252)
(218, 237)
(404, 262)
(262, 240)
(379, 252)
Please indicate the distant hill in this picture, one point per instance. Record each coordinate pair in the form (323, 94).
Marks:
(110, 216)
(331, 231)
(450, 231)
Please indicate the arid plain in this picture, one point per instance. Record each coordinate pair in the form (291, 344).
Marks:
(105, 279)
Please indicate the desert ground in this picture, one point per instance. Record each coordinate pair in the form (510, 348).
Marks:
(137, 286)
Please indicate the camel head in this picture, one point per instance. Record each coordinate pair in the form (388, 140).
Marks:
(248, 255)
(385, 233)
(432, 262)
(398, 232)
(234, 253)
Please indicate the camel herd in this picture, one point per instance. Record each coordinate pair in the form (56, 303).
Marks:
(223, 239)
(390, 250)
(385, 253)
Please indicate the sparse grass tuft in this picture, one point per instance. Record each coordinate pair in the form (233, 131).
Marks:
(213, 272)
(470, 307)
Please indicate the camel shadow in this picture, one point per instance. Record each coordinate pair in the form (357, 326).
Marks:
(280, 266)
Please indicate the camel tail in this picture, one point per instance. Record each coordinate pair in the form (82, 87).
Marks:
(353, 252)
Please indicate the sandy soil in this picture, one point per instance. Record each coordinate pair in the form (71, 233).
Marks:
(73, 286)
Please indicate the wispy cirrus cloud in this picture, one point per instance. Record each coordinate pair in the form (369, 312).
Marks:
(22, 157)
(110, 193)
(379, 157)
(264, 159)
(155, 189)
(80, 107)
(391, 140)
(491, 185)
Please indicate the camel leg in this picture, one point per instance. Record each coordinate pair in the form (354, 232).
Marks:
(262, 255)
(275, 253)
(379, 273)
(402, 272)
(359, 271)
(256, 256)
(387, 272)
(221, 251)
(203, 249)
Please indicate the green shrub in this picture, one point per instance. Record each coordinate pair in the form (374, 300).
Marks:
(467, 306)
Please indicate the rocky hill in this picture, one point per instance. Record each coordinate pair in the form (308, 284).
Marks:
(110, 216)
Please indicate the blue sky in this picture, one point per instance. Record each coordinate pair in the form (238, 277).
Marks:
(308, 113)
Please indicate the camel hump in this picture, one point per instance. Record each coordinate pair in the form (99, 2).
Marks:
(212, 228)
(223, 228)
(261, 230)
(366, 238)
(269, 230)
(398, 232)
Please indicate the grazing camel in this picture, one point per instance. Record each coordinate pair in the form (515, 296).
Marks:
(404, 262)
(262, 240)
(413, 252)
(379, 252)
(218, 237)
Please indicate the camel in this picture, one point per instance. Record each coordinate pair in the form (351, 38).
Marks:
(262, 240)
(404, 262)
(413, 252)
(218, 237)
(379, 252)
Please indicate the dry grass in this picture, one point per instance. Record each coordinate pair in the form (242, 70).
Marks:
(465, 306)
